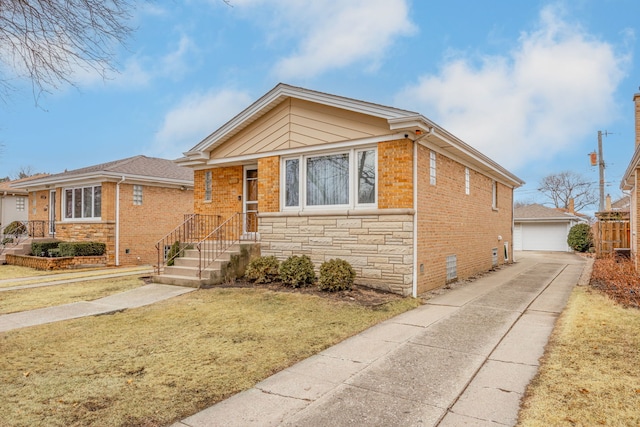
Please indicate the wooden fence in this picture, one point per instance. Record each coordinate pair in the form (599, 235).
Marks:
(611, 232)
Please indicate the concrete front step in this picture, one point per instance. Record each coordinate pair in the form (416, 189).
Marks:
(230, 264)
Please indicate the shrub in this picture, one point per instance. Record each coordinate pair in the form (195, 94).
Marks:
(174, 252)
(297, 271)
(42, 247)
(336, 275)
(580, 238)
(263, 269)
(82, 248)
(15, 228)
(53, 253)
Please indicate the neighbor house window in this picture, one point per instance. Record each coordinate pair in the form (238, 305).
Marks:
(336, 179)
(432, 168)
(467, 186)
(20, 204)
(207, 185)
(137, 194)
(83, 202)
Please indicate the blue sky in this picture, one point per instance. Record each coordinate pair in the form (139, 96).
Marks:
(527, 83)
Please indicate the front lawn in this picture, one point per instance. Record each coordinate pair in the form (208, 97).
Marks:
(590, 374)
(160, 363)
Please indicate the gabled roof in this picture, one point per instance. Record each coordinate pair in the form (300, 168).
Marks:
(150, 170)
(536, 212)
(623, 204)
(399, 121)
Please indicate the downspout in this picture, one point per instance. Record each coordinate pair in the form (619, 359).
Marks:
(118, 221)
(414, 292)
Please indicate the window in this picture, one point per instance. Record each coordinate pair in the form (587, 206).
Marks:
(366, 176)
(20, 204)
(494, 195)
(207, 185)
(137, 194)
(328, 180)
(467, 187)
(432, 168)
(336, 179)
(452, 267)
(292, 182)
(83, 202)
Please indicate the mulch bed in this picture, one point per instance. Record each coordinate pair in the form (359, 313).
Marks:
(361, 295)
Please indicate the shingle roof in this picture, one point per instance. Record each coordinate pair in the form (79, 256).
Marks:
(8, 186)
(138, 166)
(539, 212)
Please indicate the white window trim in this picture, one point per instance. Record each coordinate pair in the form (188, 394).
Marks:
(494, 194)
(81, 219)
(467, 181)
(208, 182)
(432, 167)
(302, 181)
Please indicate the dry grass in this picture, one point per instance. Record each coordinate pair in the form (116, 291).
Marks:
(160, 363)
(619, 279)
(32, 298)
(11, 275)
(590, 374)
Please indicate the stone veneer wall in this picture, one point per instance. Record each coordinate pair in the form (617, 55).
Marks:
(377, 242)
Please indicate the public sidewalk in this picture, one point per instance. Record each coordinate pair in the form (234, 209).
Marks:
(464, 358)
(133, 298)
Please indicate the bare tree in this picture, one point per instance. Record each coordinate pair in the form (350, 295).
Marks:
(562, 187)
(24, 172)
(46, 41)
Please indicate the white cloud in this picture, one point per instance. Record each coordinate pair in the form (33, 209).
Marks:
(553, 89)
(195, 117)
(332, 35)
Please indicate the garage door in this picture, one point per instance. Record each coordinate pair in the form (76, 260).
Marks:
(544, 237)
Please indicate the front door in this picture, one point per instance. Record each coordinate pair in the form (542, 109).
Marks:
(52, 212)
(251, 199)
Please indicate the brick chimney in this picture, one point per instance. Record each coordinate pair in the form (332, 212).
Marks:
(571, 206)
(607, 203)
(636, 100)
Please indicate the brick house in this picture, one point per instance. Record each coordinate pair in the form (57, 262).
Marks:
(408, 204)
(127, 204)
(629, 184)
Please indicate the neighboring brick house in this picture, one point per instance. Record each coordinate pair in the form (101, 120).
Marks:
(127, 204)
(408, 204)
(629, 184)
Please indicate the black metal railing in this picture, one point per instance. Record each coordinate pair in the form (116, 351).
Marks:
(21, 231)
(221, 239)
(186, 235)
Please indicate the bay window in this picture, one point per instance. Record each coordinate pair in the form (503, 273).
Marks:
(83, 202)
(343, 179)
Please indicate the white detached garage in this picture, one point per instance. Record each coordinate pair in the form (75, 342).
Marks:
(539, 228)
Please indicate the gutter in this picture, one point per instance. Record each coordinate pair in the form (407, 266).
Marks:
(118, 221)
(414, 291)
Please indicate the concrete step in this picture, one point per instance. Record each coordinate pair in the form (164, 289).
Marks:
(184, 272)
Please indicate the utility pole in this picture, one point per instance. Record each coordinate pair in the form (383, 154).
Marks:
(601, 170)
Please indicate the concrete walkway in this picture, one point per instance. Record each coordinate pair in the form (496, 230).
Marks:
(133, 298)
(463, 359)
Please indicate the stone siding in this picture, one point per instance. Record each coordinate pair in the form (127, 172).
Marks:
(378, 243)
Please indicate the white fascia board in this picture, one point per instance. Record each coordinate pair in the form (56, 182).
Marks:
(96, 178)
(628, 182)
(478, 158)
